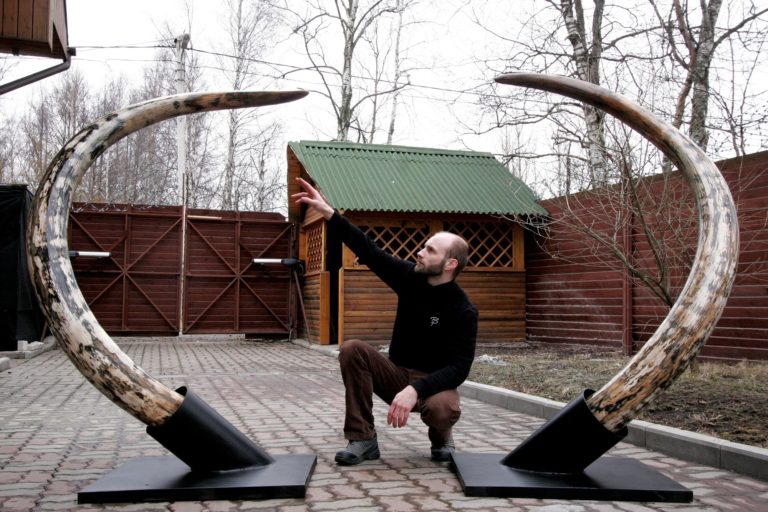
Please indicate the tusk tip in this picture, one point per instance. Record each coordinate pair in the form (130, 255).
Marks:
(511, 78)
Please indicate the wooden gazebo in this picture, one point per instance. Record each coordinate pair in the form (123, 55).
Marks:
(399, 196)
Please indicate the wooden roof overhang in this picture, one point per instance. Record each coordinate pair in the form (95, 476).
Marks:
(35, 28)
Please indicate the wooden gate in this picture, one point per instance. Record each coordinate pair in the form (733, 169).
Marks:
(138, 289)
(225, 292)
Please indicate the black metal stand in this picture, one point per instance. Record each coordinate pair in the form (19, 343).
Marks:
(561, 460)
(213, 460)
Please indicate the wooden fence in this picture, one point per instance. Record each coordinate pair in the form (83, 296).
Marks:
(140, 286)
(584, 296)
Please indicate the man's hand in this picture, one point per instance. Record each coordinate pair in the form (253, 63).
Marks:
(401, 407)
(313, 198)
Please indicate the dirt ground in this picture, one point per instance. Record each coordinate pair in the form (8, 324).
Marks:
(725, 400)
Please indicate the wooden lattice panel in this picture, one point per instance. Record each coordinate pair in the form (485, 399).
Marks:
(401, 241)
(314, 238)
(490, 244)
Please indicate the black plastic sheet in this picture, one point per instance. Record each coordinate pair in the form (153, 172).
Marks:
(20, 315)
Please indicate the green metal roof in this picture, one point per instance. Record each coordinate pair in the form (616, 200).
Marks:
(367, 177)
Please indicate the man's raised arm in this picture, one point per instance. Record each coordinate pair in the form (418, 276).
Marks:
(313, 198)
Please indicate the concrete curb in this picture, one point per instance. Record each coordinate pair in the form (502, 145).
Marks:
(689, 446)
(5, 364)
(35, 349)
(324, 349)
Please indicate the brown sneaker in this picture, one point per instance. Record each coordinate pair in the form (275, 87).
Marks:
(358, 451)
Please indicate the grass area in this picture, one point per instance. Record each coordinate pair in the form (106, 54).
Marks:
(725, 400)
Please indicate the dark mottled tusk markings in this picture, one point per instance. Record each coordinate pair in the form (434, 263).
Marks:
(79, 334)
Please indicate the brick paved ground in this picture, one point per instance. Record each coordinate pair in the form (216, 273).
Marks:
(58, 434)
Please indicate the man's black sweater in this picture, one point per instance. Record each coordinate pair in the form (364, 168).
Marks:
(435, 327)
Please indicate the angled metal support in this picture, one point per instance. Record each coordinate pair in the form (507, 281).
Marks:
(563, 460)
(213, 460)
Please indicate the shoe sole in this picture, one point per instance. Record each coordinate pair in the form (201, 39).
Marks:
(441, 455)
(353, 461)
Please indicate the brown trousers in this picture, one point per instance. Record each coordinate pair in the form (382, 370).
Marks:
(366, 371)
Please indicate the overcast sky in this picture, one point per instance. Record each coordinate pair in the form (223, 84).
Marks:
(430, 116)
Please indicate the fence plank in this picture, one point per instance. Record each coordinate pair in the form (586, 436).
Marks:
(577, 301)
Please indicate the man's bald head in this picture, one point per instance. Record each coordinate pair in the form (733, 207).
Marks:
(455, 247)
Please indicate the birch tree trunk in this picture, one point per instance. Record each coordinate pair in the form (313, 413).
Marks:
(398, 73)
(700, 71)
(348, 23)
(344, 82)
(587, 52)
(243, 183)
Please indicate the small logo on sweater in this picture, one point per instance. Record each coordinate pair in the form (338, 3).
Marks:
(434, 320)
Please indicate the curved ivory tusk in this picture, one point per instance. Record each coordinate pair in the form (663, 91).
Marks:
(86, 343)
(693, 316)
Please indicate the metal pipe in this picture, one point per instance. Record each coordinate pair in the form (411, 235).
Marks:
(89, 254)
(288, 262)
(39, 75)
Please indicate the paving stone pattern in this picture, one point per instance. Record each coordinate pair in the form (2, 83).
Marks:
(58, 434)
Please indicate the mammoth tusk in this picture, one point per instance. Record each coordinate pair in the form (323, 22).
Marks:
(79, 334)
(695, 313)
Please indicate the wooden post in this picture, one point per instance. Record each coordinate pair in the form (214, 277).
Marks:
(518, 242)
(627, 320)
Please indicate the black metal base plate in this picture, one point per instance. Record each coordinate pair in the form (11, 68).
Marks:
(607, 479)
(169, 479)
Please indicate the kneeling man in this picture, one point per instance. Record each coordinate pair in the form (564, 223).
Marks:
(432, 346)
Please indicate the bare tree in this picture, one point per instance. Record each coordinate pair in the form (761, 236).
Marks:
(399, 73)
(150, 174)
(111, 97)
(385, 76)
(745, 115)
(149, 170)
(625, 219)
(563, 37)
(645, 227)
(9, 150)
(512, 139)
(37, 147)
(203, 163)
(6, 65)
(250, 178)
(664, 57)
(263, 187)
(53, 116)
(693, 48)
(587, 48)
(350, 20)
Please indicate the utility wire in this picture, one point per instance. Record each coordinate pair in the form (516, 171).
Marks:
(530, 101)
(289, 67)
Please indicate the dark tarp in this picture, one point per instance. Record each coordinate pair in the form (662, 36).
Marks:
(20, 316)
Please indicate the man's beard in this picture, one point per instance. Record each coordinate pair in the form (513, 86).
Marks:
(429, 270)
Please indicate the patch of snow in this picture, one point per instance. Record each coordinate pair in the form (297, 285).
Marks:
(485, 358)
